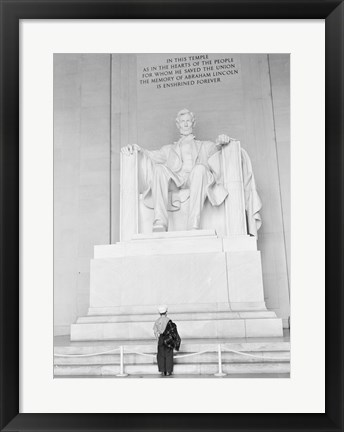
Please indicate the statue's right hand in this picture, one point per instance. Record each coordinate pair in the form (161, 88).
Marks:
(130, 148)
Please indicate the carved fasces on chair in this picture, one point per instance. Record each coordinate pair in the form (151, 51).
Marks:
(233, 181)
(129, 196)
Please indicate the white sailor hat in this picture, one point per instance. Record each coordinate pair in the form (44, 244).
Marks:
(162, 309)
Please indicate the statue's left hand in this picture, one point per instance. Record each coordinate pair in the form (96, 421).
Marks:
(224, 139)
(130, 148)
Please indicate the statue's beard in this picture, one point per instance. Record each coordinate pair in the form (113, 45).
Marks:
(185, 132)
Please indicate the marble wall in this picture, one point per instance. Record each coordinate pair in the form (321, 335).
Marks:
(100, 106)
(280, 87)
(81, 177)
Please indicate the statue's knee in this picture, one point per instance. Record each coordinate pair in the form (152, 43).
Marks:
(199, 170)
(159, 170)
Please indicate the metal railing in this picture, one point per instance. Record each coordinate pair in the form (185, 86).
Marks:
(124, 350)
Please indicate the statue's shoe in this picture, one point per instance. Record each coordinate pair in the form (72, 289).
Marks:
(159, 228)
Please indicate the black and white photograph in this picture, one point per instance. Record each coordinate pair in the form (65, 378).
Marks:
(171, 215)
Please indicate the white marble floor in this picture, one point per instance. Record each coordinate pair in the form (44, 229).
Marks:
(63, 344)
(182, 376)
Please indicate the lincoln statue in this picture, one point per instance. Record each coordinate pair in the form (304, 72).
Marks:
(188, 169)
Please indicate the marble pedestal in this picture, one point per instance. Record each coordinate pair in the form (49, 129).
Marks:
(212, 286)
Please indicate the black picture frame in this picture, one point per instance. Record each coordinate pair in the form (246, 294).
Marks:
(12, 11)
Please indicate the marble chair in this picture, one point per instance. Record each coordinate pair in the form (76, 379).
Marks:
(230, 218)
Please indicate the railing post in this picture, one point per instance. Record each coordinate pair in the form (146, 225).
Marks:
(121, 372)
(219, 355)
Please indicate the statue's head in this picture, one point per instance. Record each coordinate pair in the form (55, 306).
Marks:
(185, 121)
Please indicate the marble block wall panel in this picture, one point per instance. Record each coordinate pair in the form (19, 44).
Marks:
(161, 246)
(239, 243)
(245, 277)
(144, 330)
(175, 316)
(260, 141)
(191, 329)
(81, 177)
(276, 274)
(149, 309)
(151, 280)
(264, 327)
(218, 107)
(178, 244)
(279, 65)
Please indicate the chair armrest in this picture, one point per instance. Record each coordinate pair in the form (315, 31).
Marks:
(233, 181)
(129, 196)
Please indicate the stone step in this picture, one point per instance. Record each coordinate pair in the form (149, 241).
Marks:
(188, 346)
(160, 246)
(186, 316)
(174, 308)
(203, 241)
(209, 357)
(179, 369)
(272, 357)
(229, 328)
(176, 234)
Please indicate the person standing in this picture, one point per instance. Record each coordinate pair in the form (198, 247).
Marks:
(165, 331)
